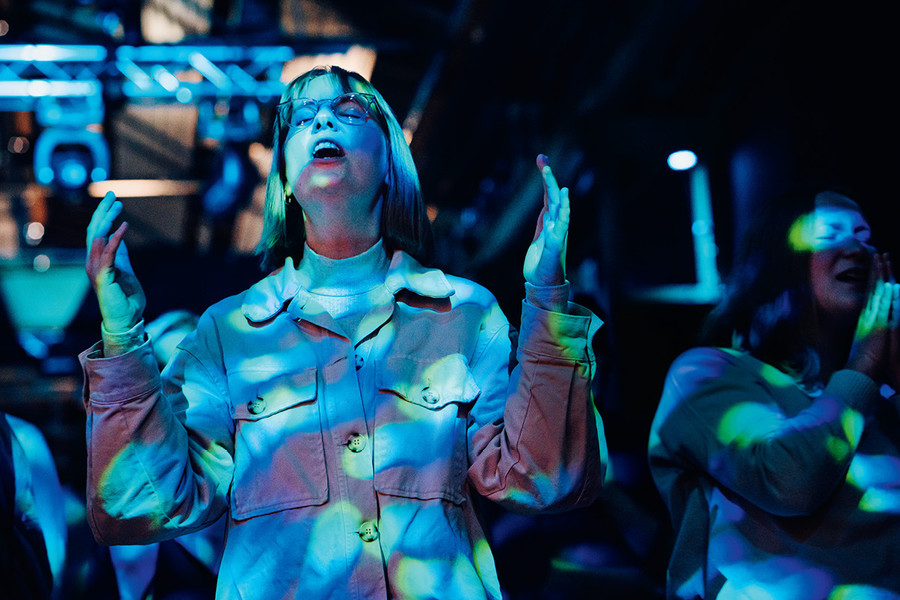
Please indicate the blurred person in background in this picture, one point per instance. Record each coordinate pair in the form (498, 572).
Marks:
(32, 515)
(773, 446)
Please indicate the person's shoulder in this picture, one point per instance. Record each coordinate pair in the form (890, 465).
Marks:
(467, 290)
(702, 366)
(709, 362)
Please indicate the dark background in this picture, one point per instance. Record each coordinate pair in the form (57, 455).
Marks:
(768, 94)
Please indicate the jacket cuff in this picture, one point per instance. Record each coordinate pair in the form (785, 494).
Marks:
(568, 335)
(858, 390)
(117, 378)
(548, 297)
(115, 343)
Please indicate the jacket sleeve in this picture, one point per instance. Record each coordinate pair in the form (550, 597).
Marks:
(160, 455)
(536, 442)
(721, 418)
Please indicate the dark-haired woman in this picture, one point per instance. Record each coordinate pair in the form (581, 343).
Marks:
(343, 411)
(773, 447)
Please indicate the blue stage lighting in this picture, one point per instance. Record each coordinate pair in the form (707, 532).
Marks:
(682, 160)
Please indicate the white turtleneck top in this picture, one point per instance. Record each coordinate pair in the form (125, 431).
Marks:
(348, 287)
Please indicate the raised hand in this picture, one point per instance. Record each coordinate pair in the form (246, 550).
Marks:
(876, 327)
(119, 292)
(545, 261)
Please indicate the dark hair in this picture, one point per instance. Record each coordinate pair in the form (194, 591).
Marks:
(404, 222)
(768, 309)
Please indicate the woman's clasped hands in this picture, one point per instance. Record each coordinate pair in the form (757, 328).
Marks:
(876, 343)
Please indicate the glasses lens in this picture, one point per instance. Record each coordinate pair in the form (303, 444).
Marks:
(350, 108)
(299, 112)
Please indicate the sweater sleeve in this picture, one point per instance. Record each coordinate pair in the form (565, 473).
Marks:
(155, 469)
(536, 442)
(746, 425)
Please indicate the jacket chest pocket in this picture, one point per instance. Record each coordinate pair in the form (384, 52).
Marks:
(279, 454)
(421, 416)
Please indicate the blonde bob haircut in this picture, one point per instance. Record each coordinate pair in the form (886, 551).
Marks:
(404, 223)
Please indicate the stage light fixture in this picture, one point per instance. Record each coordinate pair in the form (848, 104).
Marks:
(70, 158)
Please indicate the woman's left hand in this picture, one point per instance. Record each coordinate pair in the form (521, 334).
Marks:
(545, 261)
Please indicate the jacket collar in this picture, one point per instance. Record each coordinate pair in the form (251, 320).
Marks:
(268, 297)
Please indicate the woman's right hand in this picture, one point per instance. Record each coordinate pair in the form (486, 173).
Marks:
(877, 324)
(119, 292)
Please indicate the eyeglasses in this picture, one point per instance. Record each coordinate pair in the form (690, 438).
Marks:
(352, 109)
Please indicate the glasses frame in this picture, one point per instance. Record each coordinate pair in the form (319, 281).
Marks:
(284, 109)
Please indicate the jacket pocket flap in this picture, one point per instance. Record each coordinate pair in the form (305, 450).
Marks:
(432, 384)
(277, 394)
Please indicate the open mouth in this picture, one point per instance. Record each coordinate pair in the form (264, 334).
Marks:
(325, 150)
(854, 275)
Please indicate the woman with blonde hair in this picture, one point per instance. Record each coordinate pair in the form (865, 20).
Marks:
(345, 410)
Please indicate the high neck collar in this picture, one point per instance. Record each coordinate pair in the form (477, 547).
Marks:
(338, 277)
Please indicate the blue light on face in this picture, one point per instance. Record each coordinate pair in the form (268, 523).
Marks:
(681, 160)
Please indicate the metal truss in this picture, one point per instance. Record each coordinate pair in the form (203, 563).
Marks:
(158, 73)
(67, 87)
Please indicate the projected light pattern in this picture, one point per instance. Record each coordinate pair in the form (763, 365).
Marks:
(752, 470)
(348, 469)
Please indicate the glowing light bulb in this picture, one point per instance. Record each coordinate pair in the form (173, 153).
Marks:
(681, 160)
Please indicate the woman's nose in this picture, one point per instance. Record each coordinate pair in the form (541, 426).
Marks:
(854, 245)
(324, 119)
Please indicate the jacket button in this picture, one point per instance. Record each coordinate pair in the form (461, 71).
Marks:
(359, 362)
(368, 532)
(256, 406)
(430, 396)
(357, 443)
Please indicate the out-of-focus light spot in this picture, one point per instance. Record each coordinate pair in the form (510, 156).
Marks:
(682, 160)
(357, 58)
(18, 145)
(98, 174)
(38, 88)
(165, 78)
(183, 95)
(111, 24)
(4, 27)
(73, 173)
(432, 211)
(142, 188)
(45, 175)
(41, 263)
(34, 232)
